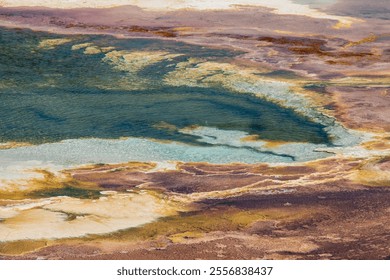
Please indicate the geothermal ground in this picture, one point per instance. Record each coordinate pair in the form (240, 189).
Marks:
(194, 130)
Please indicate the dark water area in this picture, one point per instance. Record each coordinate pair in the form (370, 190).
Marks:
(66, 191)
(48, 95)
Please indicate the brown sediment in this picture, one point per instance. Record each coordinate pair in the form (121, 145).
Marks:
(165, 126)
(299, 218)
(129, 166)
(363, 108)
(380, 143)
(306, 225)
(369, 39)
(201, 177)
(21, 247)
(111, 176)
(374, 172)
(48, 181)
(167, 32)
(250, 138)
(304, 45)
(160, 31)
(267, 143)
(12, 145)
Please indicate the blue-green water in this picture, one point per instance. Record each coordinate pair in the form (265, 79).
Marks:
(48, 95)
